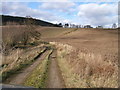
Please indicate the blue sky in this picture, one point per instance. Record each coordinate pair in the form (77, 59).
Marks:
(83, 13)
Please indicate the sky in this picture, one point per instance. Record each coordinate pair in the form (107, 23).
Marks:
(65, 11)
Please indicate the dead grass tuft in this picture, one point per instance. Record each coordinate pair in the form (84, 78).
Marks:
(83, 69)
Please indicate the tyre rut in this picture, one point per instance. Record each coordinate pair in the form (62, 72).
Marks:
(19, 78)
(55, 79)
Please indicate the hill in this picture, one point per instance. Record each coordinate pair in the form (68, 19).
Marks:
(20, 20)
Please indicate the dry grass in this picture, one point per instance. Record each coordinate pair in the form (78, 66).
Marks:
(17, 41)
(18, 59)
(19, 55)
(10, 34)
(83, 69)
(49, 32)
(17, 35)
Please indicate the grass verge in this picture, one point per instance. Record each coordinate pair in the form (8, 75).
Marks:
(85, 70)
(39, 75)
(20, 66)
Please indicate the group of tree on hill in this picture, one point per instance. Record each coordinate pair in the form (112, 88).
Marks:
(66, 25)
(15, 20)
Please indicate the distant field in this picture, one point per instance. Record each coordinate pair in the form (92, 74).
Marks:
(92, 39)
(53, 31)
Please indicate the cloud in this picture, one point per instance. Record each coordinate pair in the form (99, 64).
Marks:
(98, 14)
(58, 6)
(60, 0)
(119, 8)
(21, 9)
(58, 12)
(14, 8)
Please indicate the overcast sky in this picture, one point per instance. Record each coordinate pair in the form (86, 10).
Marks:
(93, 13)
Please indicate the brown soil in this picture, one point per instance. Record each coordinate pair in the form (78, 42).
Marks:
(55, 79)
(96, 41)
(19, 78)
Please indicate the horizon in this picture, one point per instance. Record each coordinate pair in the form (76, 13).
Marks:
(79, 13)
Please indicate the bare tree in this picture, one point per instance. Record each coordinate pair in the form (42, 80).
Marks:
(60, 24)
(31, 32)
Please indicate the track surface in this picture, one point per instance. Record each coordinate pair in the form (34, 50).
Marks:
(19, 78)
(54, 76)
(54, 80)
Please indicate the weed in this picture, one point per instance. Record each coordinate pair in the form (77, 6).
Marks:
(39, 75)
(83, 69)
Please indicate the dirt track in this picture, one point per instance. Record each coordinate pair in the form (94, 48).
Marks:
(19, 78)
(55, 79)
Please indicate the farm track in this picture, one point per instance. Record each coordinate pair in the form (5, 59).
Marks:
(70, 32)
(55, 79)
(20, 77)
